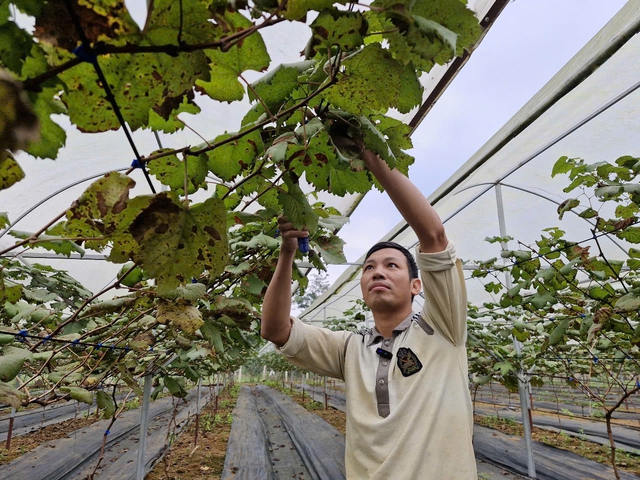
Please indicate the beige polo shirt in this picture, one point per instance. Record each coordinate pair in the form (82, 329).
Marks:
(408, 416)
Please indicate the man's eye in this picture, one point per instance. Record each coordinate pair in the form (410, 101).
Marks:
(368, 267)
(393, 265)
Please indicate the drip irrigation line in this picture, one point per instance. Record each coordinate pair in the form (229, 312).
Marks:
(24, 334)
(85, 53)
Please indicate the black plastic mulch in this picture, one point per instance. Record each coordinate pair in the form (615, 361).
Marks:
(272, 437)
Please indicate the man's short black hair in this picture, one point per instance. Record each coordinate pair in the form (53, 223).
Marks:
(413, 268)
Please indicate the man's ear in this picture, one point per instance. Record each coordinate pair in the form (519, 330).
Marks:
(416, 286)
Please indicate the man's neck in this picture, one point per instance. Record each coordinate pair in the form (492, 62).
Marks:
(386, 322)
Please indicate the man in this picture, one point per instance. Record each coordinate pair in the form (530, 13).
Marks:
(409, 413)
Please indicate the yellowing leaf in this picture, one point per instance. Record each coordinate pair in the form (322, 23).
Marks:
(184, 317)
(10, 171)
(10, 395)
(363, 90)
(226, 67)
(178, 244)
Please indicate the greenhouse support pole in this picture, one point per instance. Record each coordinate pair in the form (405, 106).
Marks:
(522, 378)
(195, 440)
(144, 420)
(264, 373)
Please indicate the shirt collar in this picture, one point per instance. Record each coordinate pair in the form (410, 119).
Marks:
(401, 327)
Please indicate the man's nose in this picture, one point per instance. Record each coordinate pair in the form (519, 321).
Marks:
(378, 272)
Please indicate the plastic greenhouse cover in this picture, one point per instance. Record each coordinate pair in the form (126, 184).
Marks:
(87, 156)
(599, 120)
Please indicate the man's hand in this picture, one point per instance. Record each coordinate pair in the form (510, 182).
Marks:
(289, 235)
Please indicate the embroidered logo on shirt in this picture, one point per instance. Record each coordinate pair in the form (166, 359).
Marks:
(408, 362)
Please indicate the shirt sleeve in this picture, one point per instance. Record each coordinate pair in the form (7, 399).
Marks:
(319, 350)
(445, 306)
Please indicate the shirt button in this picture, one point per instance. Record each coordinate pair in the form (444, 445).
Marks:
(385, 363)
(381, 382)
(386, 343)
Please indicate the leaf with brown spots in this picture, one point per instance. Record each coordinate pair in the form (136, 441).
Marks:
(176, 245)
(183, 317)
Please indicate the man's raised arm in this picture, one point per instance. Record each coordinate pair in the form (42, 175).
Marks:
(410, 202)
(276, 308)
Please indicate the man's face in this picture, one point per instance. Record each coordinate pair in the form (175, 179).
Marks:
(385, 281)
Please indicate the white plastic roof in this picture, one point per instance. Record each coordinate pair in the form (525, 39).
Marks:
(583, 111)
(87, 156)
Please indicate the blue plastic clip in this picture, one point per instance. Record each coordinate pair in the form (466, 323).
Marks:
(571, 379)
(303, 244)
(151, 349)
(76, 342)
(83, 54)
(595, 359)
(126, 349)
(136, 163)
(107, 432)
(23, 335)
(99, 346)
(277, 234)
(582, 315)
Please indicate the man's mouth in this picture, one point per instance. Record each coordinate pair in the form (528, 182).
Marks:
(378, 287)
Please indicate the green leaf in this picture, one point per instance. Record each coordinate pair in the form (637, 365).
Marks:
(333, 222)
(558, 333)
(275, 87)
(630, 234)
(628, 302)
(337, 28)
(10, 171)
(252, 284)
(567, 206)
(315, 160)
(79, 394)
(374, 140)
(10, 395)
(504, 367)
(588, 213)
(362, 90)
(190, 292)
(297, 9)
(229, 160)
(176, 386)
(9, 291)
(106, 403)
(426, 44)
(562, 165)
(429, 28)
(127, 378)
(346, 181)
(48, 242)
(258, 241)
(170, 171)
(296, 207)
(52, 135)
(540, 301)
(11, 362)
(183, 317)
(109, 306)
(213, 336)
(226, 67)
(4, 220)
(178, 244)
